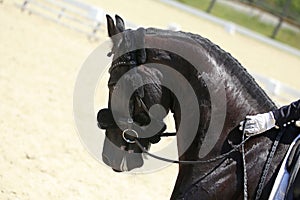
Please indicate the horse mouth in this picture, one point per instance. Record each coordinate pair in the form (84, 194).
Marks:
(125, 164)
(121, 168)
(115, 170)
(121, 160)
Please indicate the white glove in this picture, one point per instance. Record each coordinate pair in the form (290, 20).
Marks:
(257, 124)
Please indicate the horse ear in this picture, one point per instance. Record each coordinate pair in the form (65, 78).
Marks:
(120, 23)
(111, 28)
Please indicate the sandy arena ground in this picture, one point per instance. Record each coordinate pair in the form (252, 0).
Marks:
(40, 152)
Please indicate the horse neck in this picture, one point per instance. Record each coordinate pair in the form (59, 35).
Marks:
(243, 97)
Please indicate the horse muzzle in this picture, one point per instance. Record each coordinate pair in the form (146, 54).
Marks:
(121, 159)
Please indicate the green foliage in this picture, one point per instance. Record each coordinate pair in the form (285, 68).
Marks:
(289, 37)
(279, 4)
(294, 6)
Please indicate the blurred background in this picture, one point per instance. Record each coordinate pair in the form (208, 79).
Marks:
(43, 46)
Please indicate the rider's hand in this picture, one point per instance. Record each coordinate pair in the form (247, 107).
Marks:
(257, 124)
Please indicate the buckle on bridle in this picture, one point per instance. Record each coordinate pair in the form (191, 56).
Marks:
(129, 135)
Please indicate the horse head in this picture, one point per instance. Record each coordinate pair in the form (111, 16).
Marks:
(133, 89)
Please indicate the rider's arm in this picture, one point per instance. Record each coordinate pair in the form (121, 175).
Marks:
(287, 113)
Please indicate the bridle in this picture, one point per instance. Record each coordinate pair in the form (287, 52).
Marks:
(132, 133)
(132, 130)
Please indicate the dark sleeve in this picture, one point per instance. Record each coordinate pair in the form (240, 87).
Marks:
(287, 113)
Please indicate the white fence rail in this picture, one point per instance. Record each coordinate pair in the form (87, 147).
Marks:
(280, 92)
(73, 14)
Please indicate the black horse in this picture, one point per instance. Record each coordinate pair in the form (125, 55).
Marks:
(225, 93)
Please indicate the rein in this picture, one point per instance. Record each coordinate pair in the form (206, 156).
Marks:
(245, 185)
(268, 164)
(235, 148)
